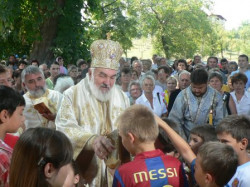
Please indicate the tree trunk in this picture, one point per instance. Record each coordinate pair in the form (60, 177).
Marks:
(165, 46)
(41, 49)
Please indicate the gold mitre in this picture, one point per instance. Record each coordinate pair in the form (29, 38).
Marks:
(105, 54)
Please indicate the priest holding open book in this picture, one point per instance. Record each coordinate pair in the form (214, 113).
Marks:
(89, 111)
(42, 104)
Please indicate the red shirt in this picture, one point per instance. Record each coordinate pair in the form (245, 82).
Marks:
(11, 140)
(5, 156)
(151, 168)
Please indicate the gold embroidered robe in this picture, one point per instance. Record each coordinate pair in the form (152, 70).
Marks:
(33, 118)
(82, 116)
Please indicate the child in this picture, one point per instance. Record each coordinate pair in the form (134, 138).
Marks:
(235, 131)
(200, 135)
(11, 118)
(138, 130)
(215, 164)
(163, 143)
(5, 77)
(73, 176)
(41, 158)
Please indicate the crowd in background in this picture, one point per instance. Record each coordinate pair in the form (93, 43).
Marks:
(172, 91)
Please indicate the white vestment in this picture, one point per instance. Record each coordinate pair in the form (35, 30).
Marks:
(82, 116)
(52, 99)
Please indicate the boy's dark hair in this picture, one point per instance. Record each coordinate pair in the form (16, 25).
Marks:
(126, 71)
(22, 62)
(205, 132)
(213, 58)
(36, 61)
(199, 76)
(132, 59)
(219, 160)
(53, 63)
(244, 56)
(81, 62)
(239, 77)
(223, 60)
(182, 61)
(163, 137)
(17, 73)
(10, 99)
(238, 126)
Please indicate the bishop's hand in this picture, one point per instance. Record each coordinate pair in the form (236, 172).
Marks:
(102, 147)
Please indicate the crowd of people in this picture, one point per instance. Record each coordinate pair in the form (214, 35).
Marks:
(124, 122)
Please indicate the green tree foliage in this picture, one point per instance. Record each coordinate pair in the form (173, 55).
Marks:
(45, 29)
(244, 35)
(111, 16)
(178, 26)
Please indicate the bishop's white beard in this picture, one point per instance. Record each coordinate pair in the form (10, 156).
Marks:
(98, 94)
(40, 90)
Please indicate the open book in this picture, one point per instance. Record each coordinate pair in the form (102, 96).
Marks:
(42, 108)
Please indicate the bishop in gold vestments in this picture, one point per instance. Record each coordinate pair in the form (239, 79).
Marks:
(85, 114)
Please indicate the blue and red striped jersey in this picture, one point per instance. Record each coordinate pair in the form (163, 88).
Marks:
(151, 168)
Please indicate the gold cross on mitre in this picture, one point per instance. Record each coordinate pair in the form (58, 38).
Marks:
(108, 35)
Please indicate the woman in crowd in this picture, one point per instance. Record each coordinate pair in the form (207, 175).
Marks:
(134, 75)
(216, 81)
(41, 158)
(240, 96)
(135, 91)
(73, 72)
(171, 87)
(151, 99)
(232, 66)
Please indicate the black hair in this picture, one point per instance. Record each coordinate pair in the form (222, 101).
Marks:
(205, 132)
(199, 76)
(53, 63)
(223, 60)
(244, 56)
(163, 137)
(182, 61)
(132, 59)
(126, 71)
(10, 99)
(22, 62)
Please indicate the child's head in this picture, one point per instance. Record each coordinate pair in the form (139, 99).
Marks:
(215, 165)
(42, 157)
(234, 130)
(11, 109)
(163, 142)
(5, 77)
(73, 176)
(137, 125)
(201, 134)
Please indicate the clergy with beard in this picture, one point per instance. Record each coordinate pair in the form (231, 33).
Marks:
(197, 105)
(34, 81)
(89, 111)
